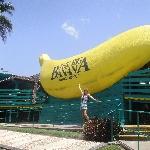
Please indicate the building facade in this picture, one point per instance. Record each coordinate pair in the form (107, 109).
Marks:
(22, 99)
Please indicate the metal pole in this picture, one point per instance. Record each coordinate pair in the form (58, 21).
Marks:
(17, 116)
(10, 115)
(130, 108)
(5, 115)
(111, 126)
(138, 121)
(33, 118)
(29, 116)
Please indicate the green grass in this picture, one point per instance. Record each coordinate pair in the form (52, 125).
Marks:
(111, 147)
(65, 134)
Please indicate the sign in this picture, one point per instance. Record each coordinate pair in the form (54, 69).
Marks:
(70, 69)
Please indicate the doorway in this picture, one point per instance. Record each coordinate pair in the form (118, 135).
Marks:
(144, 118)
(134, 106)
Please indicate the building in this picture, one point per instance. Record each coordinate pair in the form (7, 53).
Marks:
(136, 96)
(23, 100)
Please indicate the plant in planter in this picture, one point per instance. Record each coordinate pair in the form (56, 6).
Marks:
(99, 129)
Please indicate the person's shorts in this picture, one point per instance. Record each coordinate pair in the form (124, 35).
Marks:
(83, 106)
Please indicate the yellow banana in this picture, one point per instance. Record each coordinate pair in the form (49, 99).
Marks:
(98, 68)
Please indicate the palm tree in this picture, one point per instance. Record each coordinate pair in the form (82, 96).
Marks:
(5, 23)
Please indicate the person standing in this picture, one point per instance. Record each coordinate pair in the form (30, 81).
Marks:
(85, 97)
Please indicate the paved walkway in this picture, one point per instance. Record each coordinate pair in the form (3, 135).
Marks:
(27, 141)
(143, 145)
(39, 142)
(45, 126)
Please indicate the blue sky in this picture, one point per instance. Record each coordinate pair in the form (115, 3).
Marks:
(63, 28)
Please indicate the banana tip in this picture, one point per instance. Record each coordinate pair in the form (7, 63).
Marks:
(43, 58)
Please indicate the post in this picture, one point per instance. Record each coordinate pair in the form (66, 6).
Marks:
(29, 116)
(10, 116)
(5, 116)
(130, 108)
(17, 116)
(111, 126)
(138, 121)
(33, 118)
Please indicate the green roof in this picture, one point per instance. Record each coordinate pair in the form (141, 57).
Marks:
(4, 76)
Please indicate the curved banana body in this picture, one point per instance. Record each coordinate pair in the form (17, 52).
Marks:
(98, 68)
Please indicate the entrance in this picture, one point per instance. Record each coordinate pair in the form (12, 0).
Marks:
(131, 117)
(143, 117)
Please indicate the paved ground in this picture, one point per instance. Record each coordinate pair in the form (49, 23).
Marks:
(45, 126)
(39, 142)
(143, 145)
(28, 141)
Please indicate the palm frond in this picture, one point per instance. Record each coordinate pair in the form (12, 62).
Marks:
(5, 27)
(6, 7)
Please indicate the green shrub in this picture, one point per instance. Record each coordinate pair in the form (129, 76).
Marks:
(99, 129)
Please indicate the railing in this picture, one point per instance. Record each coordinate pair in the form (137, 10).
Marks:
(136, 86)
(113, 115)
(15, 102)
(18, 115)
(15, 96)
(20, 97)
(139, 129)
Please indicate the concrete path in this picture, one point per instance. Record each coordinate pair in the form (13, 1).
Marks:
(26, 141)
(45, 126)
(143, 145)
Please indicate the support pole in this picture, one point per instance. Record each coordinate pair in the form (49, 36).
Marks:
(138, 121)
(111, 126)
(10, 115)
(29, 115)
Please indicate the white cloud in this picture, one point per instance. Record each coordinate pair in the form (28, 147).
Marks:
(70, 30)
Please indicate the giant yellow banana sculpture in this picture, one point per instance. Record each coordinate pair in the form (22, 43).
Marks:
(98, 68)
